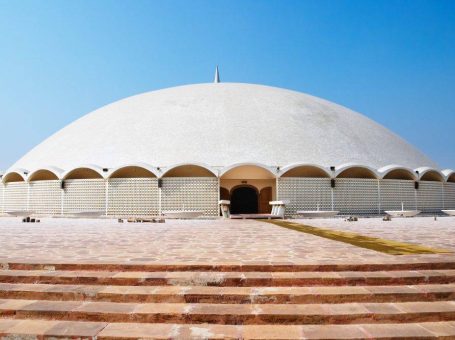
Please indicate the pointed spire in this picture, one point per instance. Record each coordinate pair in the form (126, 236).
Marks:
(217, 75)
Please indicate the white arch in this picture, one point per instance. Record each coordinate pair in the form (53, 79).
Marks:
(385, 170)
(289, 167)
(425, 170)
(201, 165)
(237, 165)
(145, 166)
(56, 171)
(343, 167)
(448, 173)
(21, 172)
(95, 168)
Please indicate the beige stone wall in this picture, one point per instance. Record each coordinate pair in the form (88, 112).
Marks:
(140, 196)
(190, 193)
(16, 194)
(449, 195)
(1, 197)
(83, 195)
(45, 197)
(305, 193)
(356, 196)
(133, 197)
(393, 192)
(430, 197)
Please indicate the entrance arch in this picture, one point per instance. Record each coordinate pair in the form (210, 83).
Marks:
(244, 200)
(259, 178)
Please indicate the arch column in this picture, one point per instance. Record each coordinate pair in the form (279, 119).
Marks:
(15, 191)
(2, 189)
(430, 194)
(356, 190)
(397, 189)
(190, 187)
(306, 187)
(45, 196)
(132, 191)
(449, 195)
(84, 190)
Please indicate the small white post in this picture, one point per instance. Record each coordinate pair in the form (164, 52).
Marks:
(224, 207)
(278, 208)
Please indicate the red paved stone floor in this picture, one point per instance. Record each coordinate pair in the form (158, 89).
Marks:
(210, 241)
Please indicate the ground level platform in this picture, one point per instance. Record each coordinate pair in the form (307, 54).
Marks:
(212, 241)
(223, 279)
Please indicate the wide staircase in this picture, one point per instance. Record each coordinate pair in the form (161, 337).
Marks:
(258, 301)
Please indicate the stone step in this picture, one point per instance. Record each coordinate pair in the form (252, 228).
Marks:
(241, 295)
(239, 279)
(115, 331)
(25, 329)
(252, 266)
(234, 314)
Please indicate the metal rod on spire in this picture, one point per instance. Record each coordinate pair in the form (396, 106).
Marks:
(217, 75)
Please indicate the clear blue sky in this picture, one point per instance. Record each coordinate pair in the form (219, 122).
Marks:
(393, 61)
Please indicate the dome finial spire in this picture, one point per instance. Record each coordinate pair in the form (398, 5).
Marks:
(217, 75)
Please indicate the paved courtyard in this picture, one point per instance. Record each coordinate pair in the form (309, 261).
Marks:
(208, 241)
(439, 233)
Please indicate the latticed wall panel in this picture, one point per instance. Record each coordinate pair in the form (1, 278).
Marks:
(1, 197)
(16, 194)
(133, 197)
(45, 197)
(449, 195)
(393, 192)
(305, 193)
(356, 196)
(84, 195)
(190, 193)
(430, 197)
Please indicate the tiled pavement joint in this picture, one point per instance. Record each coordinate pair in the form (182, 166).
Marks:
(216, 285)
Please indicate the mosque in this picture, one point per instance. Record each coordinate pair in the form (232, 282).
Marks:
(189, 146)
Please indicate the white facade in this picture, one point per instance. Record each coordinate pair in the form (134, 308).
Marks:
(185, 147)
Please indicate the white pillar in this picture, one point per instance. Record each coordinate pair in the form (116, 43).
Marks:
(379, 197)
(277, 197)
(443, 196)
(224, 207)
(62, 200)
(3, 198)
(159, 201)
(28, 196)
(106, 197)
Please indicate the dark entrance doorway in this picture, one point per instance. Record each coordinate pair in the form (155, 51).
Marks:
(244, 200)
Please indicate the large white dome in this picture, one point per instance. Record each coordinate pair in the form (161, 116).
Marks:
(220, 124)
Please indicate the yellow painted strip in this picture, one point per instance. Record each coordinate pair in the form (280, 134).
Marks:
(378, 244)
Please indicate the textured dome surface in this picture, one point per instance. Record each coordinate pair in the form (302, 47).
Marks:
(220, 124)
